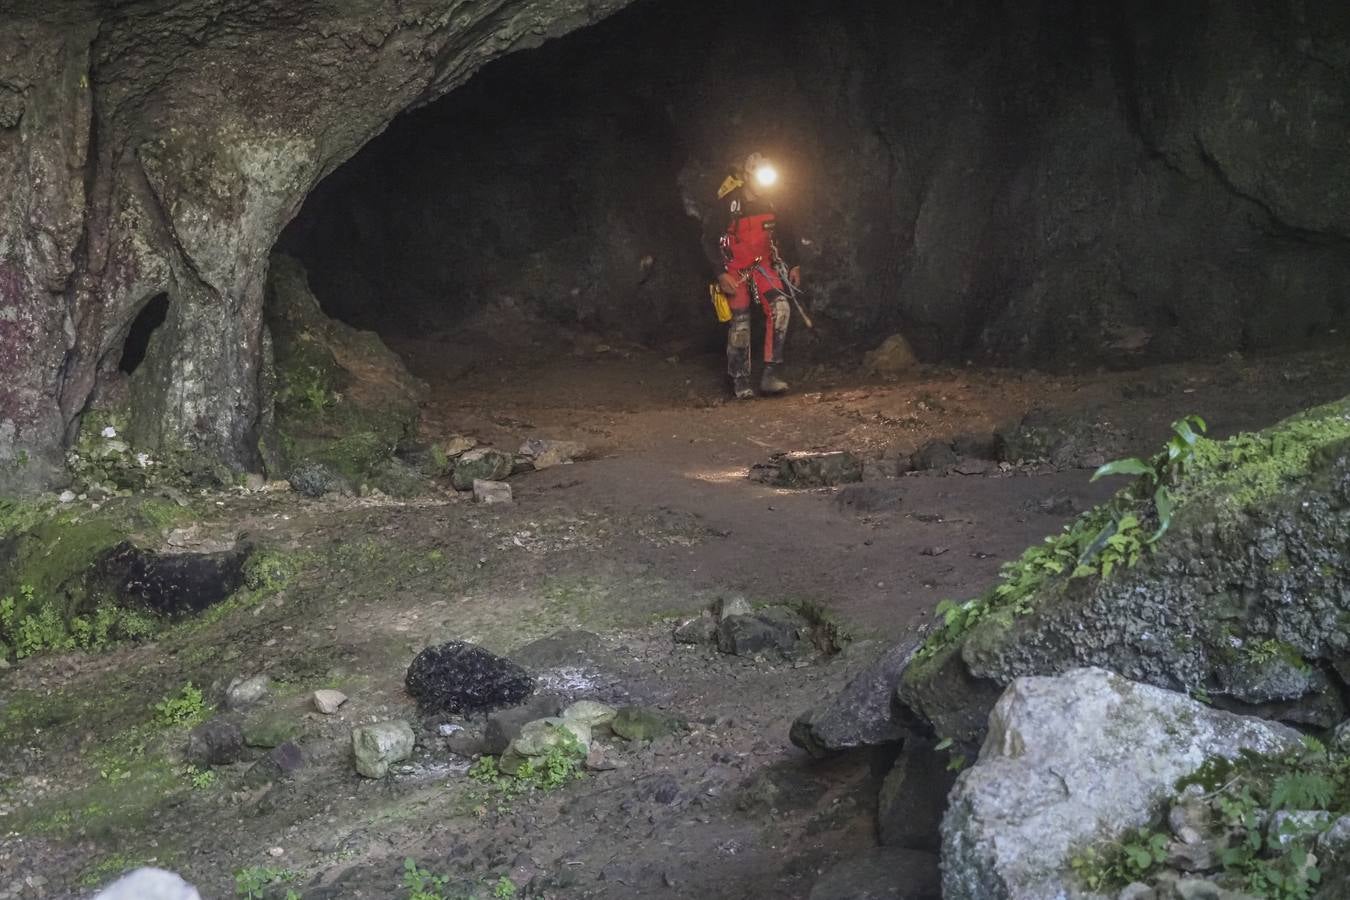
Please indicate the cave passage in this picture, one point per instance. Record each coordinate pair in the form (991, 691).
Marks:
(544, 193)
(1047, 186)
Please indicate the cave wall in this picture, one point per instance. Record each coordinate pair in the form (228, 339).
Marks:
(1054, 181)
(160, 147)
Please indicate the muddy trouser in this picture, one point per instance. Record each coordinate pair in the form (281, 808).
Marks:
(767, 290)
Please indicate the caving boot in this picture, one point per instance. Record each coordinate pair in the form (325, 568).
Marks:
(740, 386)
(770, 383)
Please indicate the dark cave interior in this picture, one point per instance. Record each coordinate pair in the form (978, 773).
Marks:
(1035, 185)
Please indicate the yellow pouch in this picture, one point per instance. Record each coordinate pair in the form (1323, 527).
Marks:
(720, 304)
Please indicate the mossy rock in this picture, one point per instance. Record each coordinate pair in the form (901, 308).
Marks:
(76, 577)
(637, 723)
(1254, 557)
(338, 396)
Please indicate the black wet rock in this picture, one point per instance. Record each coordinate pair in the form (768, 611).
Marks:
(215, 742)
(862, 714)
(458, 677)
(769, 631)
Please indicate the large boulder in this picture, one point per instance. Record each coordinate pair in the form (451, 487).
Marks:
(458, 677)
(1244, 597)
(1072, 760)
(341, 399)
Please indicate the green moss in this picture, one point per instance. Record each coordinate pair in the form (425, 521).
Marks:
(1250, 468)
(48, 599)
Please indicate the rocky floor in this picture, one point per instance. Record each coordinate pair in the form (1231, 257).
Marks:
(582, 579)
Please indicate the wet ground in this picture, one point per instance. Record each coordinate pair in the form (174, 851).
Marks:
(607, 555)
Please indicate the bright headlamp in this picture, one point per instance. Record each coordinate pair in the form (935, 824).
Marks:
(765, 175)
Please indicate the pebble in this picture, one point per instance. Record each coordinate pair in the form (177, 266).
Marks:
(328, 701)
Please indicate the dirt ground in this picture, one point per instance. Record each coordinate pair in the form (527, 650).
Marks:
(582, 578)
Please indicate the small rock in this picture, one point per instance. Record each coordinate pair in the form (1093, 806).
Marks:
(459, 677)
(253, 482)
(67, 497)
(802, 469)
(662, 788)
(700, 630)
(735, 605)
(504, 726)
(590, 713)
(457, 445)
(467, 743)
(773, 630)
(537, 738)
(244, 692)
(378, 746)
(546, 453)
(149, 884)
(636, 723)
(491, 491)
(327, 701)
(935, 455)
(215, 742)
(891, 358)
(598, 761)
(481, 464)
(314, 479)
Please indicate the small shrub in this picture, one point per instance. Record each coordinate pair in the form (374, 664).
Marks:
(252, 883)
(188, 708)
(421, 883)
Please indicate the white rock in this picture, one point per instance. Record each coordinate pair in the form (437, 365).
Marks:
(244, 692)
(149, 884)
(67, 497)
(376, 747)
(327, 701)
(1071, 760)
(109, 432)
(491, 491)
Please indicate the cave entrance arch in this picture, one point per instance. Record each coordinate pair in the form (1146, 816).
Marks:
(543, 204)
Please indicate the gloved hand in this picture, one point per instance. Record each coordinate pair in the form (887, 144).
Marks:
(795, 275)
(728, 283)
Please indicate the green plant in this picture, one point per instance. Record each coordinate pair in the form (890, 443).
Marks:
(1160, 475)
(201, 778)
(421, 883)
(252, 882)
(1116, 864)
(504, 889)
(558, 766)
(187, 708)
